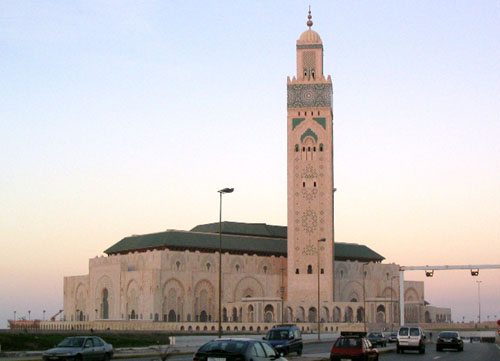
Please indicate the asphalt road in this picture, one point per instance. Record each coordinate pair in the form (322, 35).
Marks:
(315, 351)
(472, 352)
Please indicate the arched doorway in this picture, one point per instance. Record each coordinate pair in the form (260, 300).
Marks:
(132, 315)
(360, 314)
(269, 313)
(172, 316)
(203, 316)
(380, 314)
(235, 315)
(250, 313)
(336, 314)
(311, 316)
(348, 314)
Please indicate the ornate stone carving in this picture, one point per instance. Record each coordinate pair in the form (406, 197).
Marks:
(309, 95)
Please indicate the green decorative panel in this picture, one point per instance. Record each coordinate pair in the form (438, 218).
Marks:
(310, 46)
(308, 133)
(321, 121)
(296, 122)
(309, 95)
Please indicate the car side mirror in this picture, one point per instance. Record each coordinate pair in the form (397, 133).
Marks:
(291, 337)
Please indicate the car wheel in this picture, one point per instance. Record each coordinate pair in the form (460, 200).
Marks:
(299, 351)
(398, 350)
(106, 357)
(421, 350)
(78, 358)
(438, 349)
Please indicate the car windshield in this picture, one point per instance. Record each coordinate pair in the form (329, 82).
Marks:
(374, 334)
(448, 335)
(348, 342)
(414, 331)
(275, 335)
(224, 346)
(72, 342)
(403, 331)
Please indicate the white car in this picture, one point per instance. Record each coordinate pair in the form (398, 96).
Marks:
(410, 338)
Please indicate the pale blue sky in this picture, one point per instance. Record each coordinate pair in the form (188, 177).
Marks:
(126, 117)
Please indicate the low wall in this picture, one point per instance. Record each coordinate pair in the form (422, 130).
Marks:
(187, 327)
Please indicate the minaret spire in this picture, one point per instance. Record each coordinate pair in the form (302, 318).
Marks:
(309, 17)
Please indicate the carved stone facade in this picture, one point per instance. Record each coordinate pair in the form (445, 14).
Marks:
(268, 276)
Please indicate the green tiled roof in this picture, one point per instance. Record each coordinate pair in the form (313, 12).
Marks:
(251, 238)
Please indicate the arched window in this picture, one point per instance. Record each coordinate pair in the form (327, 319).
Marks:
(237, 267)
(208, 266)
(296, 147)
(296, 271)
(309, 269)
(321, 147)
(322, 271)
(178, 265)
(105, 304)
(265, 269)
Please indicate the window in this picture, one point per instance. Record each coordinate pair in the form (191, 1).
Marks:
(208, 266)
(314, 149)
(296, 147)
(321, 147)
(315, 184)
(269, 350)
(312, 73)
(259, 351)
(265, 269)
(303, 184)
(237, 267)
(178, 265)
(309, 269)
(308, 149)
(318, 112)
(299, 113)
(322, 271)
(296, 271)
(98, 342)
(303, 149)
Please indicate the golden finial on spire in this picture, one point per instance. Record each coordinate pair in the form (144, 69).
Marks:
(309, 17)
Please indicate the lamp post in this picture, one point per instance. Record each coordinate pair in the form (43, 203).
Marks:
(15, 315)
(479, 299)
(43, 315)
(29, 315)
(364, 298)
(319, 313)
(221, 192)
(95, 314)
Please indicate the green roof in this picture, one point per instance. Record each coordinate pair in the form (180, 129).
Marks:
(250, 238)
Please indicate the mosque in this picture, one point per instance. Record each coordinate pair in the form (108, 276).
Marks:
(270, 274)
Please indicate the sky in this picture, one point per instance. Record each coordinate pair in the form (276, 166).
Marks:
(126, 117)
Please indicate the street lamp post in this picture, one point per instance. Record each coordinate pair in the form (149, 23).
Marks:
(15, 315)
(479, 299)
(364, 299)
(29, 315)
(44, 315)
(221, 192)
(318, 312)
(95, 314)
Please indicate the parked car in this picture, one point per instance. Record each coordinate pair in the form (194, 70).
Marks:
(285, 339)
(393, 337)
(377, 338)
(80, 348)
(449, 339)
(237, 349)
(353, 346)
(410, 338)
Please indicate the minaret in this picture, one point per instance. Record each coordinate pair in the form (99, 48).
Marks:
(310, 177)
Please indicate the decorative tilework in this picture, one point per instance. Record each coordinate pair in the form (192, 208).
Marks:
(307, 133)
(321, 121)
(309, 172)
(309, 194)
(310, 46)
(309, 221)
(296, 122)
(309, 95)
(309, 250)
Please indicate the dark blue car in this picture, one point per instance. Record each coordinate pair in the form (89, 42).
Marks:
(285, 339)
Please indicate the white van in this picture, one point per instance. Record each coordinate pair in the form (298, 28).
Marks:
(410, 338)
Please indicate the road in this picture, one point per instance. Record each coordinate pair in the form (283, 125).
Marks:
(315, 351)
(472, 352)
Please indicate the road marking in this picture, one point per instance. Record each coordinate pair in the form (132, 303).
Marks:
(498, 346)
(436, 357)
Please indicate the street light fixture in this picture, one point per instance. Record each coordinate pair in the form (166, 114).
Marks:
(221, 192)
(318, 312)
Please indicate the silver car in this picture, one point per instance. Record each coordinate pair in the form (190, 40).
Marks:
(80, 348)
